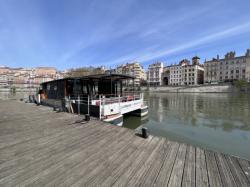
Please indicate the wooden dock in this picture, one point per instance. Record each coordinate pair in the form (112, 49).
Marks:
(40, 147)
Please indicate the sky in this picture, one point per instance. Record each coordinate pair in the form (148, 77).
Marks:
(76, 33)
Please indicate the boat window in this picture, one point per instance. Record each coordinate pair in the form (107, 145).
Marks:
(84, 89)
(77, 87)
(96, 88)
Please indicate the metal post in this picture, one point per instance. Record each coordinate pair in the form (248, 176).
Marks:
(39, 98)
(100, 105)
(119, 99)
(88, 104)
(78, 101)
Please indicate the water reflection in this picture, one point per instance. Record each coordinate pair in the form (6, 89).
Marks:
(215, 121)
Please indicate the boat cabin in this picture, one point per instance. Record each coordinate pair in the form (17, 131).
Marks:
(108, 85)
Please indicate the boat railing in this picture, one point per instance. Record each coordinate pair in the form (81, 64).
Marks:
(126, 97)
(80, 100)
(107, 98)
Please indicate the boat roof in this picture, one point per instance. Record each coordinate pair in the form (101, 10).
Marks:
(97, 77)
(108, 76)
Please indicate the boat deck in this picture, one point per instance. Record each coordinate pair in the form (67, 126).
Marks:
(40, 147)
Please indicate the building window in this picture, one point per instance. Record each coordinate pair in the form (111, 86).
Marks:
(243, 71)
(232, 71)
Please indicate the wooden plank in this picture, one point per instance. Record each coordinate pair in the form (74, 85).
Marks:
(151, 175)
(112, 163)
(213, 172)
(116, 173)
(177, 172)
(66, 150)
(136, 180)
(189, 169)
(225, 173)
(132, 169)
(238, 173)
(245, 165)
(34, 132)
(16, 151)
(32, 157)
(201, 168)
(20, 150)
(69, 156)
(89, 165)
(165, 172)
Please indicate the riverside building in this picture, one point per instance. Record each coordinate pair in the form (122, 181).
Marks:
(228, 69)
(184, 73)
(154, 74)
(133, 69)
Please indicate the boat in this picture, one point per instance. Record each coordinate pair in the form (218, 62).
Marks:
(101, 96)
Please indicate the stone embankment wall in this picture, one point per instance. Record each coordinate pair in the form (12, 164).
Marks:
(18, 89)
(198, 89)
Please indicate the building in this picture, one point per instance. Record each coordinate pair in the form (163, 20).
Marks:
(46, 71)
(228, 69)
(4, 80)
(154, 74)
(27, 77)
(134, 69)
(193, 74)
(184, 73)
(166, 75)
(4, 70)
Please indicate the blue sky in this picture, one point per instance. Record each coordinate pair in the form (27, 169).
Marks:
(76, 33)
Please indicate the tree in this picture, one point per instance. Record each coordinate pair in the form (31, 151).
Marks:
(84, 71)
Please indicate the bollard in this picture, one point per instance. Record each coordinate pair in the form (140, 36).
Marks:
(87, 117)
(144, 131)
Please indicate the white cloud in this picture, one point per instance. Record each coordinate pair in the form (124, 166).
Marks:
(147, 55)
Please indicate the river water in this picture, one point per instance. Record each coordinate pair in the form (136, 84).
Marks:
(219, 122)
